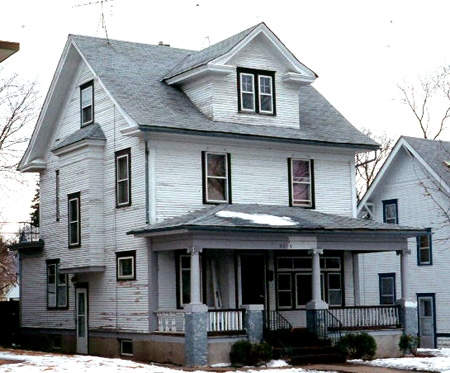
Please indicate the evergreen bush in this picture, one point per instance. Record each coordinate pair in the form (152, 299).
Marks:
(358, 346)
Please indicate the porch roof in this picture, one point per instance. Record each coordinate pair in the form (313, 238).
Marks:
(272, 218)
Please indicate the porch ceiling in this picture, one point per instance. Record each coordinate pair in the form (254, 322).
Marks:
(277, 227)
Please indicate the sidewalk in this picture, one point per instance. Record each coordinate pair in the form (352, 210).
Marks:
(357, 368)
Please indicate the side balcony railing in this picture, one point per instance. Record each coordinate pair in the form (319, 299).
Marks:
(219, 321)
(368, 317)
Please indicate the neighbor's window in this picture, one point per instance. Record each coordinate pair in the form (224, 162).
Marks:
(87, 103)
(390, 211)
(301, 182)
(216, 178)
(56, 286)
(256, 91)
(387, 288)
(123, 178)
(126, 265)
(424, 246)
(74, 217)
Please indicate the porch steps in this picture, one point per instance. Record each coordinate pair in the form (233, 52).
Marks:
(301, 347)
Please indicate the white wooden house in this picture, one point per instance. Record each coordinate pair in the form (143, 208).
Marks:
(412, 188)
(193, 198)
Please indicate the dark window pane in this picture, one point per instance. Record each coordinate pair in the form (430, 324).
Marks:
(302, 263)
(248, 101)
(265, 85)
(217, 189)
(304, 288)
(284, 282)
(217, 165)
(301, 192)
(186, 287)
(122, 192)
(284, 299)
(300, 171)
(126, 267)
(284, 263)
(122, 168)
(333, 263)
(73, 233)
(266, 103)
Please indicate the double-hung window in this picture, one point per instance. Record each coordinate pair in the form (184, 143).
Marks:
(123, 178)
(183, 278)
(74, 217)
(56, 286)
(387, 288)
(216, 178)
(256, 91)
(301, 182)
(424, 246)
(87, 103)
(390, 211)
(126, 265)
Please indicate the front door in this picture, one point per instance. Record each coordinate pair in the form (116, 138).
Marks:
(82, 320)
(253, 279)
(427, 325)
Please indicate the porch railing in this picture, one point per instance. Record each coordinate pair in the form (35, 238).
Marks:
(327, 326)
(361, 317)
(173, 321)
(275, 321)
(225, 320)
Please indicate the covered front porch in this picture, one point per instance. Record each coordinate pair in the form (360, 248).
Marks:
(245, 270)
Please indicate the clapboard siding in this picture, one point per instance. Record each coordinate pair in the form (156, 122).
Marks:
(258, 175)
(417, 209)
(218, 99)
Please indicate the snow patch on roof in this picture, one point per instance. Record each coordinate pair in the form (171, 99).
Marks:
(264, 219)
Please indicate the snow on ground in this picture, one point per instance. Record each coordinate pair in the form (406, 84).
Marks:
(37, 362)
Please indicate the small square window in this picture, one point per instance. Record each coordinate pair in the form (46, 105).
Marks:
(126, 265)
(126, 347)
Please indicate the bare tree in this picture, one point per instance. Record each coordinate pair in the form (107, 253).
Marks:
(18, 109)
(429, 100)
(8, 269)
(369, 163)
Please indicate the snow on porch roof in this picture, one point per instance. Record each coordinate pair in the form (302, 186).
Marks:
(270, 218)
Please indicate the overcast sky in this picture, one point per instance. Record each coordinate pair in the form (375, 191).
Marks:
(360, 49)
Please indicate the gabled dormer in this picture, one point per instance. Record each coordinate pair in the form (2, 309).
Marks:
(249, 78)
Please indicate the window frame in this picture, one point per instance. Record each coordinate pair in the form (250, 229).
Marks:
(311, 204)
(57, 285)
(70, 198)
(121, 345)
(382, 277)
(207, 177)
(120, 257)
(420, 248)
(84, 88)
(179, 255)
(386, 204)
(301, 267)
(256, 90)
(121, 154)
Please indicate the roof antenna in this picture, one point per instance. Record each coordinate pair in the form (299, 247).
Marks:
(102, 16)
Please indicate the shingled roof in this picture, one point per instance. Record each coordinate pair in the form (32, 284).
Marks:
(132, 73)
(271, 218)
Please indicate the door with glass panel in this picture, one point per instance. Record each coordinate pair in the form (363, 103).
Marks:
(427, 325)
(82, 320)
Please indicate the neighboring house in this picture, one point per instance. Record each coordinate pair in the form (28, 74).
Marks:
(7, 49)
(412, 188)
(192, 199)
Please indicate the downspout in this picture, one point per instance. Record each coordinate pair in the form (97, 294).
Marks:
(147, 196)
(150, 183)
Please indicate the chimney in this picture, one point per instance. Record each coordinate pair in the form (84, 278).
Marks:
(161, 43)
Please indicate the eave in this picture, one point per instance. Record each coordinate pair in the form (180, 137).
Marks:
(7, 49)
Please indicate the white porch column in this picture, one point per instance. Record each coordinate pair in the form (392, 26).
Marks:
(195, 274)
(316, 301)
(404, 272)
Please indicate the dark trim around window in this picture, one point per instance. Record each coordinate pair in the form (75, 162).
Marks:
(257, 74)
(87, 103)
(54, 282)
(425, 243)
(208, 198)
(74, 219)
(390, 205)
(387, 299)
(123, 182)
(121, 257)
(311, 189)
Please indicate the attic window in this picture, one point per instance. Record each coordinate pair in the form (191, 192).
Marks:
(256, 91)
(87, 103)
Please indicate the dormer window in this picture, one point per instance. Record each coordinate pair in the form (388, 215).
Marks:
(256, 91)
(87, 103)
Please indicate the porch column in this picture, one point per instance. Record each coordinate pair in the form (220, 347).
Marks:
(196, 318)
(408, 312)
(316, 302)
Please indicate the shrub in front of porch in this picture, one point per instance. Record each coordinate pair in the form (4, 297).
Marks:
(244, 352)
(358, 346)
